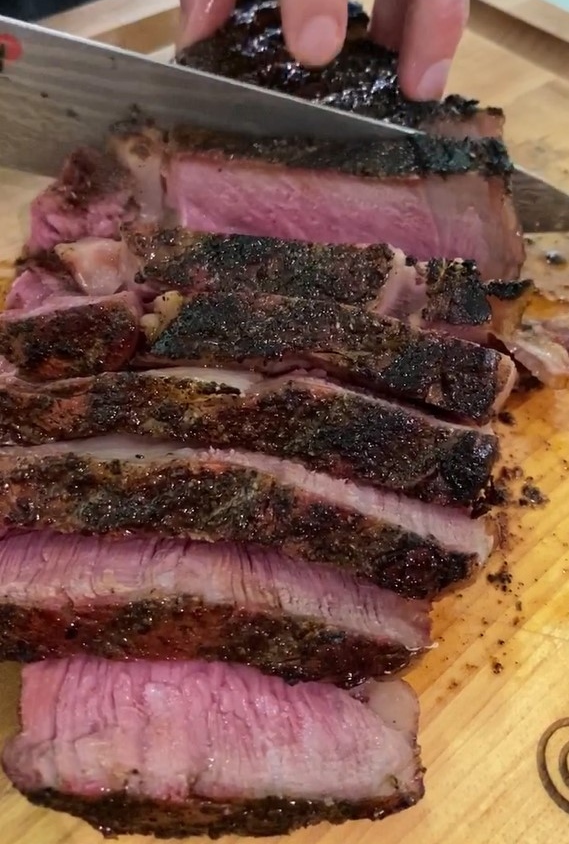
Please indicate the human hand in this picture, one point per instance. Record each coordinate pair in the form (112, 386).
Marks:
(426, 33)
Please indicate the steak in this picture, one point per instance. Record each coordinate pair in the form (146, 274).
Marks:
(188, 600)
(426, 196)
(362, 79)
(121, 486)
(70, 336)
(324, 426)
(380, 278)
(276, 333)
(93, 195)
(143, 747)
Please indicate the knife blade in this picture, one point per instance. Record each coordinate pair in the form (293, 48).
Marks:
(58, 91)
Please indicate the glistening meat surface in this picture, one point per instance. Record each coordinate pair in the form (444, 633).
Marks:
(363, 78)
(120, 485)
(276, 333)
(162, 599)
(143, 747)
(308, 419)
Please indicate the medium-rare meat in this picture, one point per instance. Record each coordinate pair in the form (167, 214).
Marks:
(276, 333)
(363, 78)
(191, 748)
(122, 486)
(163, 599)
(92, 197)
(427, 196)
(380, 278)
(324, 426)
(69, 336)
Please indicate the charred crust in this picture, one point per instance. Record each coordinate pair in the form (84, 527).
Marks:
(456, 294)
(384, 354)
(179, 498)
(183, 627)
(88, 175)
(343, 434)
(123, 814)
(418, 155)
(178, 260)
(508, 291)
(74, 342)
(362, 79)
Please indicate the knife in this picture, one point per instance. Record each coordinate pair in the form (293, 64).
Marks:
(58, 92)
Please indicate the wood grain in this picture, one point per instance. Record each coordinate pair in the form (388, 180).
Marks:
(498, 676)
(539, 13)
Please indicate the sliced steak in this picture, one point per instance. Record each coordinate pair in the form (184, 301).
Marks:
(324, 426)
(188, 600)
(427, 196)
(363, 78)
(71, 336)
(189, 748)
(122, 486)
(380, 278)
(92, 197)
(276, 333)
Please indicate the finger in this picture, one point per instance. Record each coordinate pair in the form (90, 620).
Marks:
(201, 18)
(388, 22)
(433, 29)
(314, 30)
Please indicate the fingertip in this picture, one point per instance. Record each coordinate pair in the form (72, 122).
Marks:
(314, 30)
(199, 20)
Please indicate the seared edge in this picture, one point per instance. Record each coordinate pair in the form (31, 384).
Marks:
(72, 342)
(185, 627)
(181, 498)
(122, 814)
(339, 432)
(384, 354)
(419, 155)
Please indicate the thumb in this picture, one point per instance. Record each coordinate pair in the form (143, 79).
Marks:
(201, 18)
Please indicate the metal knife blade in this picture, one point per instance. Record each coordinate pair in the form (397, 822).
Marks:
(58, 92)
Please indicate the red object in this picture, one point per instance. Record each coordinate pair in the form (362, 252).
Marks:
(10, 48)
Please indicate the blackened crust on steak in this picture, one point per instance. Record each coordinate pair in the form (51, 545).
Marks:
(215, 502)
(88, 175)
(184, 627)
(362, 79)
(457, 296)
(180, 260)
(330, 430)
(419, 155)
(73, 341)
(383, 354)
(123, 814)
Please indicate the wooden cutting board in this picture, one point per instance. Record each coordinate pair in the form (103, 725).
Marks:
(498, 677)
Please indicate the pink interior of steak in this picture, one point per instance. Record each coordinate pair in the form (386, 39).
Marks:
(420, 216)
(167, 730)
(48, 570)
(452, 528)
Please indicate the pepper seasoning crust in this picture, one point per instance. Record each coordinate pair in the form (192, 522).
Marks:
(182, 498)
(384, 354)
(123, 814)
(341, 433)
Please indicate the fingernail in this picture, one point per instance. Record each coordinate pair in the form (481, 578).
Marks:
(319, 41)
(433, 81)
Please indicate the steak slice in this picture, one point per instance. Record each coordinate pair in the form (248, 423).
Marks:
(190, 748)
(189, 600)
(71, 336)
(380, 278)
(122, 486)
(276, 333)
(324, 426)
(426, 196)
(93, 195)
(363, 78)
